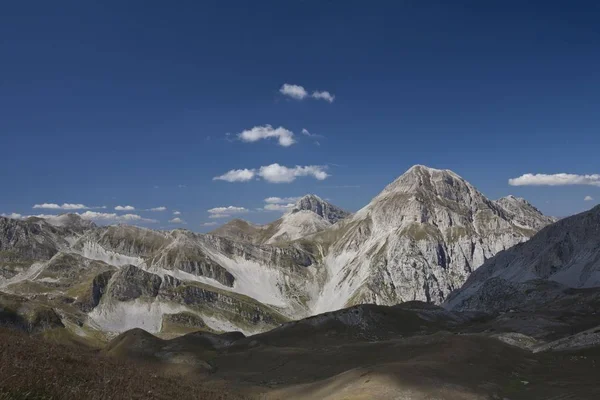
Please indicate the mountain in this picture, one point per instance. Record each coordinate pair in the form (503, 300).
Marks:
(310, 214)
(524, 214)
(419, 239)
(322, 208)
(559, 258)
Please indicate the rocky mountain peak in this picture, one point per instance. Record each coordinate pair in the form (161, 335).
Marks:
(322, 208)
(432, 182)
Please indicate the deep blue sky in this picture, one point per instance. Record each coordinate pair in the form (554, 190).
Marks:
(119, 103)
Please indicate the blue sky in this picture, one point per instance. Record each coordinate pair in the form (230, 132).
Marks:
(142, 103)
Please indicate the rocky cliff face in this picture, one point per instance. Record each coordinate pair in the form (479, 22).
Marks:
(322, 208)
(419, 239)
(563, 255)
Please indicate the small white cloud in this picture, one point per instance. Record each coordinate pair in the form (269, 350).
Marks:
(281, 200)
(177, 221)
(294, 91)
(181, 186)
(276, 173)
(555, 180)
(279, 207)
(112, 217)
(299, 93)
(124, 208)
(65, 206)
(588, 198)
(12, 215)
(236, 175)
(226, 212)
(176, 212)
(210, 224)
(284, 136)
(161, 208)
(323, 96)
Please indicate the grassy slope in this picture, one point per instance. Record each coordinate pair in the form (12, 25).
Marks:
(34, 368)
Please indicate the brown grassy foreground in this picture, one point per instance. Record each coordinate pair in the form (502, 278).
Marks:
(34, 368)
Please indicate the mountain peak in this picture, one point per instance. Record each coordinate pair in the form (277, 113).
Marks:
(322, 208)
(436, 182)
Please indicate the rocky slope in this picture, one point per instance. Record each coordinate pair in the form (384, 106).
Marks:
(419, 239)
(561, 256)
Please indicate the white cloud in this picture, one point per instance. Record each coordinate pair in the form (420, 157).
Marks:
(299, 93)
(236, 175)
(181, 186)
(555, 180)
(161, 208)
(294, 91)
(279, 207)
(176, 212)
(226, 212)
(124, 208)
(588, 198)
(276, 173)
(281, 200)
(65, 206)
(210, 224)
(284, 136)
(177, 220)
(324, 95)
(112, 217)
(12, 215)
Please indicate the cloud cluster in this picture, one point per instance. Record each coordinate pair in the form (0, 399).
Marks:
(285, 137)
(209, 224)
(280, 204)
(64, 206)
(124, 208)
(112, 217)
(92, 216)
(226, 212)
(177, 220)
(588, 198)
(555, 180)
(275, 173)
(298, 92)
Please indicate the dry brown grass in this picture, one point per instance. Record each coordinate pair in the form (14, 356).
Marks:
(34, 368)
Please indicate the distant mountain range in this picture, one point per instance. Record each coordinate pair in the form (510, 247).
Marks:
(419, 239)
